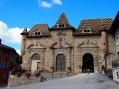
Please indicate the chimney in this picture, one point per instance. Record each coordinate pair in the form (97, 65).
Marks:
(0, 41)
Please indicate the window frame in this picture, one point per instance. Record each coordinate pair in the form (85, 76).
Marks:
(4, 76)
(0, 52)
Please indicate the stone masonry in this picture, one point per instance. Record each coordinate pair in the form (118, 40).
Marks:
(62, 48)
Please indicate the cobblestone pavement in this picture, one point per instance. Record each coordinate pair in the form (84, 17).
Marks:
(80, 81)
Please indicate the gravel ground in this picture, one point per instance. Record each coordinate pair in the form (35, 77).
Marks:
(80, 81)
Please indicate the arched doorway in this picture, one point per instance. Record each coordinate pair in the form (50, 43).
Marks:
(60, 63)
(35, 62)
(88, 65)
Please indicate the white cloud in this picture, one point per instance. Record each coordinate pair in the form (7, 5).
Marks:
(19, 52)
(57, 2)
(10, 35)
(43, 3)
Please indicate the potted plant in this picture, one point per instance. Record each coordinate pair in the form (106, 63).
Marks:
(27, 74)
(18, 74)
(37, 74)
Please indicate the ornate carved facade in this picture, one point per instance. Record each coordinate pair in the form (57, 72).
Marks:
(62, 48)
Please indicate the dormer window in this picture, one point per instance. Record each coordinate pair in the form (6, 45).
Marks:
(37, 33)
(87, 30)
(61, 26)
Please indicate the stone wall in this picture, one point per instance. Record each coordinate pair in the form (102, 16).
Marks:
(22, 80)
(74, 48)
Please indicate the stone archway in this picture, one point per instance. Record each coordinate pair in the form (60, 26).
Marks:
(60, 63)
(35, 62)
(87, 63)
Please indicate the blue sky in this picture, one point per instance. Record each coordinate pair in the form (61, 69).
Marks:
(16, 14)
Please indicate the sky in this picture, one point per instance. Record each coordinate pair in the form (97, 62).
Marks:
(17, 14)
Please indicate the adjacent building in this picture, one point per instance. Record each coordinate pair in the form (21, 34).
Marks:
(62, 48)
(8, 58)
(115, 31)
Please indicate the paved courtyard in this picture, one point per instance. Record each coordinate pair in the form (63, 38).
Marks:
(80, 81)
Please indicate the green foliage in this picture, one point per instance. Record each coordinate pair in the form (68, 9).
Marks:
(20, 59)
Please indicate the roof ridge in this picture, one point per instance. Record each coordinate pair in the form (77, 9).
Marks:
(96, 19)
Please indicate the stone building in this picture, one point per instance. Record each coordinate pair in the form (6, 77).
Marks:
(62, 48)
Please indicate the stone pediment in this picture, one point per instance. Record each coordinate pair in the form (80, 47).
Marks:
(87, 44)
(56, 45)
(36, 46)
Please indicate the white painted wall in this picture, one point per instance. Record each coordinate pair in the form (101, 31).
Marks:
(117, 42)
(115, 76)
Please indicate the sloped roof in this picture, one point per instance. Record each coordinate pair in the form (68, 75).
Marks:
(24, 31)
(62, 20)
(96, 25)
(42, 28)
(115, 24)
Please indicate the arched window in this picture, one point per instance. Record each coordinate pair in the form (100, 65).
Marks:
(61, 42)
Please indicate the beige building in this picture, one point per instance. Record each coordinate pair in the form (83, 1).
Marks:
(62, 48)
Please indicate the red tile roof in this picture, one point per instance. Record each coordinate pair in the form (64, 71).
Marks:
(115, 24)
(42, 29)
(6, 47)
(24, 31)
(96, 25)
(62, 20)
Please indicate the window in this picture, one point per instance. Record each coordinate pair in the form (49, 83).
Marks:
(0, 64)
(103, 43)
(61, 43)
(118, 55)
(61, 25)
(38, 33)
(4, 76)
(5, 64)
(6, 54)
(0, 52)
(86, 30)
(35, 33)
(117, 74)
